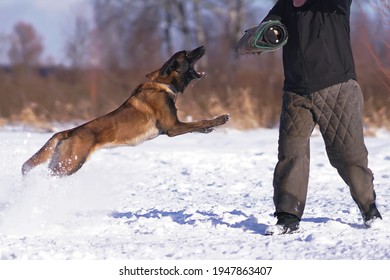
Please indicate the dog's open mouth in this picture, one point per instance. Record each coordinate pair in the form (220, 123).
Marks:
(198, 74)
(196, 55)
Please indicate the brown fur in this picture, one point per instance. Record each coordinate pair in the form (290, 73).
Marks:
(149, 112)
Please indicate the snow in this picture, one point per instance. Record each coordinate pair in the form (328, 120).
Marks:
(196, 196)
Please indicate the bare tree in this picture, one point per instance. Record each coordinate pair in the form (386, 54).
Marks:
(125, 31)
(200, 32)
(183, 18)
(26, 45)
(136, 32)
(78, 44)
(4, 44)
(382, 9)
(235, 20)
(373, 38)
(167, 26)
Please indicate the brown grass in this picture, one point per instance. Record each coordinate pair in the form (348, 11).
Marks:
(249, 92)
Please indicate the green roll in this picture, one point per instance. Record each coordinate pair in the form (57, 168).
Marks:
(268, 36)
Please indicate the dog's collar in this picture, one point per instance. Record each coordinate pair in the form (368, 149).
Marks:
(172, 91)
(171, 87)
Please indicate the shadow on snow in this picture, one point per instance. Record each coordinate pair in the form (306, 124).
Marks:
(250, 223)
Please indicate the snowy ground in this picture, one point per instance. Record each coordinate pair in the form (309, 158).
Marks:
(191, 197)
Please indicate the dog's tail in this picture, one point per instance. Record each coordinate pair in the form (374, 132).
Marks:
(44, 154)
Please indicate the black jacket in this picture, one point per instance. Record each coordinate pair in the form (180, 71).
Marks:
(318, 51)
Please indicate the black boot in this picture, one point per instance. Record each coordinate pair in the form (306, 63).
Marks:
(287, 223)
(371, 215)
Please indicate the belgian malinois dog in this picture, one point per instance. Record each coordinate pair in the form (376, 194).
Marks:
(149, 112)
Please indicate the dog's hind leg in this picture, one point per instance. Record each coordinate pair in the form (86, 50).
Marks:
(70, 155)
(44, 154)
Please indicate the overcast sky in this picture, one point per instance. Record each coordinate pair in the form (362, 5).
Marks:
(50, 19)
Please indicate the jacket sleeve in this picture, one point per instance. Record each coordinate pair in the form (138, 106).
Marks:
(276, 13)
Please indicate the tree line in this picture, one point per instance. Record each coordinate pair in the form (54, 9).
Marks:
(111, 53)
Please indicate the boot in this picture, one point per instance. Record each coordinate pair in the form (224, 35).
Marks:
(371, 215)
(287, 223)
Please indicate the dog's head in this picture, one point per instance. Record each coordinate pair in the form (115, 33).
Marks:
(179, 70)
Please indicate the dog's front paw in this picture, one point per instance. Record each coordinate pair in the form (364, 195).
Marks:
(206, 130)
(222, 119)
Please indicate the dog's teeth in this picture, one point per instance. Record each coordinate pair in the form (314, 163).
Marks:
(201, 74)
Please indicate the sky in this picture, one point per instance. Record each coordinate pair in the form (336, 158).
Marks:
(50, 18)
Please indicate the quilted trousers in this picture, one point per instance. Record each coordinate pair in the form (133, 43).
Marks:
(338, 112)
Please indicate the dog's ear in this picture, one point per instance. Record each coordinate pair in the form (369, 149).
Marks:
(165, 70)
(169, 66)
(153, 75)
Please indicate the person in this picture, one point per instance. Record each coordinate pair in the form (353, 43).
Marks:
(320, 87)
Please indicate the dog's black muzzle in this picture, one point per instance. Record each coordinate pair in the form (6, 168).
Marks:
(196, 54)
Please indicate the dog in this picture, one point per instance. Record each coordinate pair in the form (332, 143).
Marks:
(148, 112)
